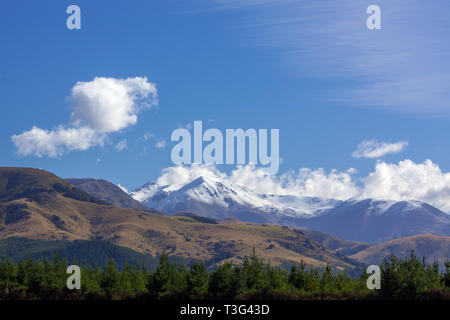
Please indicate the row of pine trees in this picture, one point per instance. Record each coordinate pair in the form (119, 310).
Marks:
(408, 278)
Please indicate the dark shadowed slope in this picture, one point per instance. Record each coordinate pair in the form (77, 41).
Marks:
(108, 192)
(17, 183)
(344, 247)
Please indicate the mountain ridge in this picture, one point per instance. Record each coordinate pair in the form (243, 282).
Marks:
(363, 220)
(56, 217)
(107, 192)
(434, 248)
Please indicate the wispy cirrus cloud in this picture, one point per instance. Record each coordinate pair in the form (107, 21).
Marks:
(405, 67)
(121, 145)
(375, 149)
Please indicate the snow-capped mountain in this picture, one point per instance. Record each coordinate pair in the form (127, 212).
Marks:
(377, 221)
(365, 220)
(214, 199)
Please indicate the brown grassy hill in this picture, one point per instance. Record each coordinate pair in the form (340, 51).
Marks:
(50, 214)
(108, 192)
(431, 246)
(17, 183)
(345, 247)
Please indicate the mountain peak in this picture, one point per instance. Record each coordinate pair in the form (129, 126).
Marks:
(193, 184)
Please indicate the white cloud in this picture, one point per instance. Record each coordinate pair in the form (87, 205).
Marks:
(108, 104)
(122, 145)
(147, 136)
(405, 67)
(178, 176)
(406, 180)
(375, 149)
(305, 182)
(160, 144)
(99, 107)
(54, 143)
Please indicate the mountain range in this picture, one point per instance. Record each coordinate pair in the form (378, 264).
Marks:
(362, 220)
(216, 199)
(207, 220)
(37, 205)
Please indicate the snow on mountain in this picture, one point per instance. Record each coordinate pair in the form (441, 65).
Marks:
(377, 221)
(214, 199)
(144, 193)
(367, 220)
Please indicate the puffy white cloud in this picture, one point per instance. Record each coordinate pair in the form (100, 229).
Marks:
(375, 149)
(305, 182)
(406, 180)
(99, 107)
(54, 143)
(121, 145)
(108, 104)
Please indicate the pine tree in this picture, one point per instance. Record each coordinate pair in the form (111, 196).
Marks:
(327, 281)
(125, 281)
(111, 277)
(197, 281)
(226, 281)
(254, 276)
(298, 276)
(446, 276)
(169, 280)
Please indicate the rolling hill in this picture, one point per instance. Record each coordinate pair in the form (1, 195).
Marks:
(434, 248)
(33, 184)
(344, 247)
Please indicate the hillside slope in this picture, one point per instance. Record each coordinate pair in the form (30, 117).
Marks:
(426, 245)
(344, 247)
(108, 192)
(18, 183)
(91, 252)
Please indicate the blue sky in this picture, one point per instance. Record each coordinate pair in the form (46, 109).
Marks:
(309, 68)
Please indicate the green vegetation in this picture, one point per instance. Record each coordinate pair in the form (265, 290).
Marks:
(90, 252)
(407, 278)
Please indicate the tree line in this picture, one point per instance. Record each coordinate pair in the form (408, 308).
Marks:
(401, 278)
